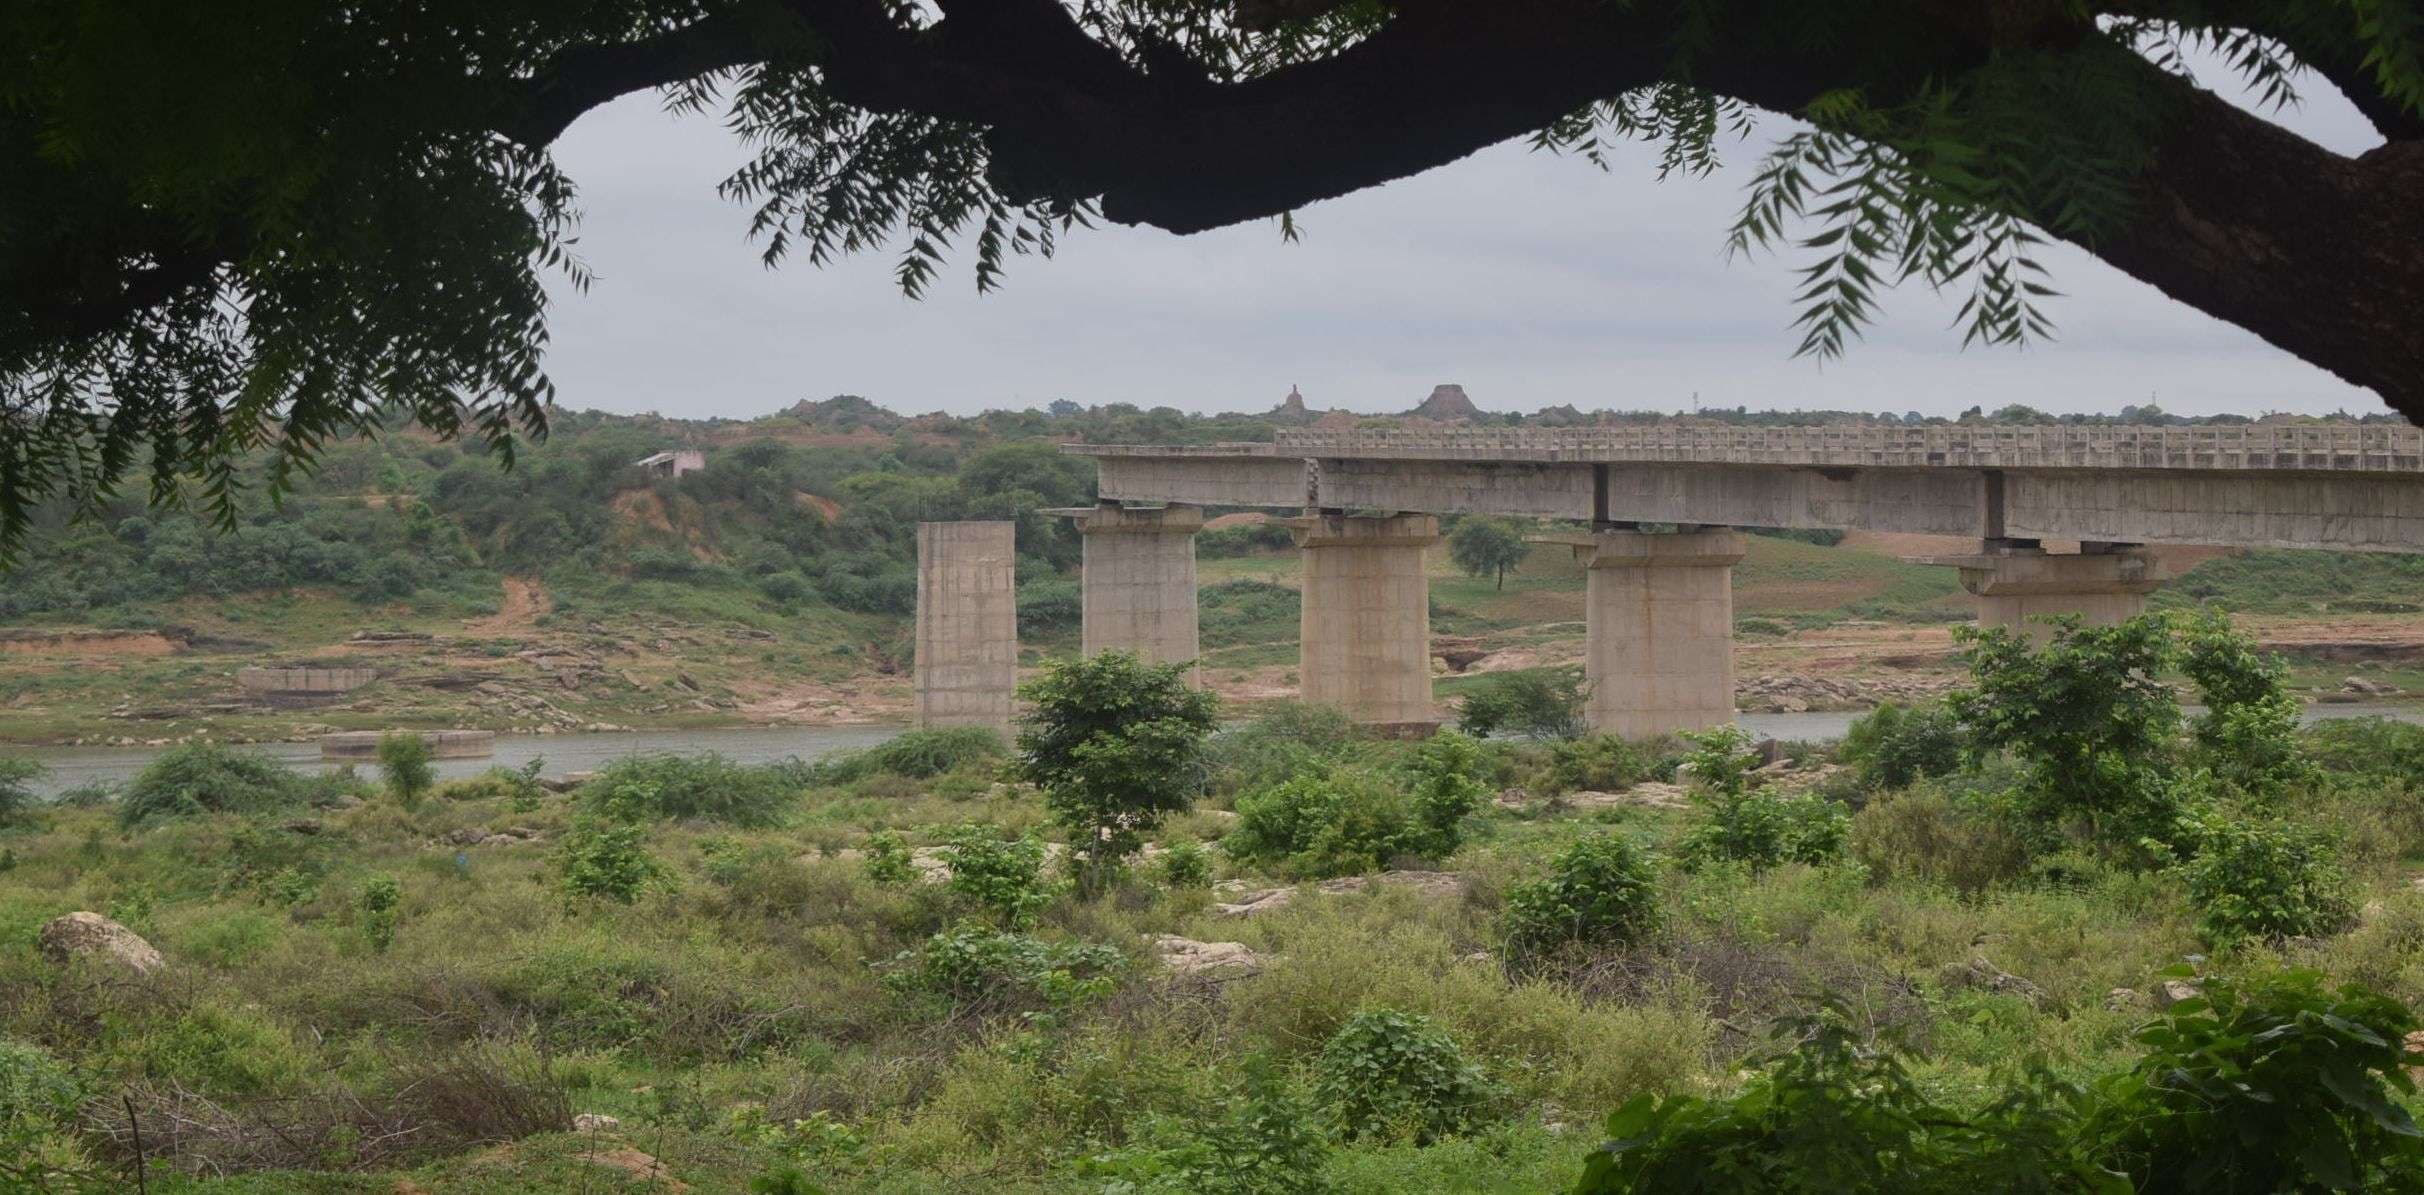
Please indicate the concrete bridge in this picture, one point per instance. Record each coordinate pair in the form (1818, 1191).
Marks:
(1660, 604)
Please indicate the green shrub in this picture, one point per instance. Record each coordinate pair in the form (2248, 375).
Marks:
(2248, 735)
(1598, 889)
(915, 754)
(1896, 746)
(606, 859)
(985, 970)
(1287, 738)
(2373, 748)
(1004, 877)
(1048, 607)
(1266, 1137)
(1763, 830)
(1116, 744)
(1391, 1076)
(1545, 703)
(1720, 760)
(17, 777)
(1328, 822)
(706, 787)
(2275, 1086)
(198, 778)
(379, 906)
(888, 858)
(2253, 877)
(1447, 789)
(1596, 763)
(1929, 834)
(39, 1100)
(404, 759)
(1185, 864)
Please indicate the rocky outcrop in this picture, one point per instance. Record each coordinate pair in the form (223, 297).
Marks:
(93, 936)
(1222, 960)
(1447, 404)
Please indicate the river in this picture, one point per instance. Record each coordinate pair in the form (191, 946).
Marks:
(72, 767)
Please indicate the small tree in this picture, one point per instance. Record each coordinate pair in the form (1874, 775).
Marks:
(1116, 745)
(2086, 717)
(17, 778)
(1545, 704)
(1484, 547)
(404, 757)
(2248, 734)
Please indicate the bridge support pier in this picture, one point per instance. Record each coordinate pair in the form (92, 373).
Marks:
(2103, 584)
(1661, 626)
(967, 623)
(1365, 636)
(1138, 587)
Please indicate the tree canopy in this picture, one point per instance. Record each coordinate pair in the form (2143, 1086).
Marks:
(235, 227)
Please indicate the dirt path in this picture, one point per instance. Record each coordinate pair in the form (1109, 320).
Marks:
(524, 602)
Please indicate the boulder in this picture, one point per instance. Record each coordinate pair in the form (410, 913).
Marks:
(1981, 975)
(1222, 960)
(91, 935)
(1429, 883)
(595, 1122)
(1263, 900)
(2173, 991)
(2124, 1000)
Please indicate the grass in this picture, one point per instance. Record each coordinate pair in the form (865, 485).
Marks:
(737, 1017)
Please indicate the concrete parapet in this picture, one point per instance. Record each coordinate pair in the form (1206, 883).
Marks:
(2017, 588)
(1661, 626)
(1365, 635)
(1138, 582)
(967, 623)
(444, 744)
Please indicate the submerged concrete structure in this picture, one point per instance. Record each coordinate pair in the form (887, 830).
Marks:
(967, 623)
(1137, 584)
(1660, 656)
(1364, 641)
(1660, 620)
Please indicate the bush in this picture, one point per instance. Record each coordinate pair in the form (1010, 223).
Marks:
(1267, 1138)
(1763, 830)
(2258, 878)
(1004, 877)
(1287, 738)
(1391, 1076)
(2374, 748)
(1048, 607)
(2248, 735)
(17, 778)
(1596, 763)
(1935, 836)
(39, 1100)
(379, 904)
(1447, 789)
(1185, 864)
(1598, 890)
(404, 759)
(1546, 704)
(199, 778)
(707, 787)
(1328, 822)
(888, 859)
(915, 754)
(1894, 747)
(608, 860)
(985, 970)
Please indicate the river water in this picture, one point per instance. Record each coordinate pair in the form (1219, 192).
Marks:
(72, 767)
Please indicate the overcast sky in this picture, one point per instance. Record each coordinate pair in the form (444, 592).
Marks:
(1529, 279)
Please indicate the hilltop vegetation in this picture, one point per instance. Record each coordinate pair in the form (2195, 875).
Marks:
(1302, 962)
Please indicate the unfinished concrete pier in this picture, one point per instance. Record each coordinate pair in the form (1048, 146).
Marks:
(443, 744)
(1660, 610)
(298, 687)
(967, 623)
(1365, 632)
(2018, 588)
(1138, 582)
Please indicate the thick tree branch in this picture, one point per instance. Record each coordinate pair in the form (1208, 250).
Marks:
(584, 77)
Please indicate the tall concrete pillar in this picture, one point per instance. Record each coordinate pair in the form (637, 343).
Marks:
(1661, 627)
(1138, 583)
(1365, 636)
(967, 623)
(2016, 587)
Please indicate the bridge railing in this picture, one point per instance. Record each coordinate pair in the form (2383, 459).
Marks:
(2358, 448)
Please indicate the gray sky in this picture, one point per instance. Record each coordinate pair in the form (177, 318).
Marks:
(1531, 280)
